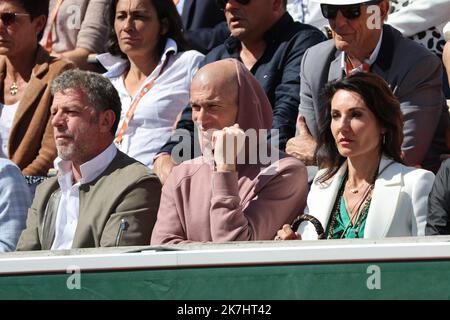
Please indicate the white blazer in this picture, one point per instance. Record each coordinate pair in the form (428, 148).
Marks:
(399, 205)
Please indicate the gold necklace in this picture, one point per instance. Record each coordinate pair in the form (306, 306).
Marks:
(13, 89)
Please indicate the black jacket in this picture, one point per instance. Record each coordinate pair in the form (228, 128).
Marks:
(204, 24)
(438, 221)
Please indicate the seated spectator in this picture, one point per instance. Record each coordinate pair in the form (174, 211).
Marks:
(423, 22)
(152, 72)
(15, 199)
(362, 43)
(438, 221)
(26, 71)
(363, 190)
(100, 197)
(75, 29)
(204, 23)
(223, 195)
(271, 45)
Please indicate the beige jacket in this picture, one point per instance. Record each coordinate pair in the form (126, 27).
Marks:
(125, 190)
(31, 145)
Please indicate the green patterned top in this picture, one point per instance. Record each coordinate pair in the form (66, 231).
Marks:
(340, 226)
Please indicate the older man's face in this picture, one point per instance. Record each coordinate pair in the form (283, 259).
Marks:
(356, 34)
(214, 107)
(249, 21)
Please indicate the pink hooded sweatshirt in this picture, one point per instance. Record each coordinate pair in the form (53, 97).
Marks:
(199, 204)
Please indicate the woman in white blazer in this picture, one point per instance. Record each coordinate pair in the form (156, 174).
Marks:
(363, 190)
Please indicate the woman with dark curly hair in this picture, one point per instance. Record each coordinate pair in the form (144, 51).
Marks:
(363, 190)
(151, 68)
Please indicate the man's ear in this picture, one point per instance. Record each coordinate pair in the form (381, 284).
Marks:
(106, 120)
(39, 23)
(384, 9)
(278, 5)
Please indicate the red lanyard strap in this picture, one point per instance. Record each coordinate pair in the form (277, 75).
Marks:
(349, 69)
(135, 103)
(49, 42)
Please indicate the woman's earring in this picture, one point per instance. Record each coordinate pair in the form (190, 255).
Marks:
(384, 139)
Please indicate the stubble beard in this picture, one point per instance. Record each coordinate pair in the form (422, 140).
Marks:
(66, 152)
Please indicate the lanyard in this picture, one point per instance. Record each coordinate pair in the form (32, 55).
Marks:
(49, 43)
(135, 103)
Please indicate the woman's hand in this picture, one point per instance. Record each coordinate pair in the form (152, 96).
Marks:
(286, 233)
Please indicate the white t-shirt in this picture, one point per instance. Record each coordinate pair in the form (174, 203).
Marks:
(154, 117)
(6, 120)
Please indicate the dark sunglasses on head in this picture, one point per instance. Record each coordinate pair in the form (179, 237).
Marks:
(351, 11)
(223, 3)
(8, 18)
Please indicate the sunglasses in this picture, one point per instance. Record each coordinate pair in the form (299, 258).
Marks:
(351, 12)
(223, 3)
(9, 18)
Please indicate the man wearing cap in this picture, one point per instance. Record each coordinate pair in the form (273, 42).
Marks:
(271, 45)
(362, 42)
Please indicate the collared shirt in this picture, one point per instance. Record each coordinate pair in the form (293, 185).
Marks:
(370, 61)
(15, 199)
(277, 70)
(180, 5)
(69, 205)
(152, 121)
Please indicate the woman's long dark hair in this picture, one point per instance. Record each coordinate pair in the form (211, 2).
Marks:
(380, 100)
(165, 9)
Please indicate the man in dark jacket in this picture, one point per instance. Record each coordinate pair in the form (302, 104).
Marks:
(363, 43)
(271, 45)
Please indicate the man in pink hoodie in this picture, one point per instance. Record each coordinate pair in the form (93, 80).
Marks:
(232, 192)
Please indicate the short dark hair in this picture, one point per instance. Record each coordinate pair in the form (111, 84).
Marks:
(165, 9)
(98, 89)
(35, 8)
(380, 100)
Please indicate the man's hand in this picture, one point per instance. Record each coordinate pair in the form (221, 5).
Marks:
(162, 166)
(227, 144)
(302, 146)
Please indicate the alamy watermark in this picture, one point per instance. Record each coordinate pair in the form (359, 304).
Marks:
(73, 282)
(374, 20)
(74, 19)
(374, 280)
